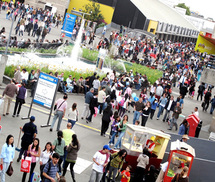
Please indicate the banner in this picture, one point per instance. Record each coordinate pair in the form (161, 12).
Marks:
(45, 90)
(68, 24)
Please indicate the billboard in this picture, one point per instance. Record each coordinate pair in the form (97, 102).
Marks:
(45, 90)
(68, 24)
(204, 44)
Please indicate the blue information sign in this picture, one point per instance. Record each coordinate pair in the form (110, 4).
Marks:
(68, 24)
(46, 89)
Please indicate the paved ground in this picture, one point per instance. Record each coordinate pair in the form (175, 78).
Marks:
(88, 134)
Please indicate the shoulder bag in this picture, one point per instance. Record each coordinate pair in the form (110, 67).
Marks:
(55, 108)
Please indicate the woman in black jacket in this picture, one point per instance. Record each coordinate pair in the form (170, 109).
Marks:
(145, 113)
(93, 104)
(107, 113)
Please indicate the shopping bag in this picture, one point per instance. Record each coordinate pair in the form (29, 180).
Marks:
(96, 111)
(25, 164)
(35, 177)
(9, 171)
(1, 101)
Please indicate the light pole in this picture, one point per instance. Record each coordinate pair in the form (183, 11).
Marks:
(4, 57)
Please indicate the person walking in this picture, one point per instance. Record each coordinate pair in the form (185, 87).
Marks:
(114, 130)
(138, 107)
(8, 95)
(107, 113)
(212, 105)
(183, 127)
(50, 170)
(20, 99)
(73, 114)
(7, 155)
(207, 100)
(145, 113)
(88, 97)
(67, 136)
(58, 147)
(30, 132)
(72, 154)
(61, 106)
(100, 161)
(34, 151)
(93, 107)
(118, 159)
(201, 89)
(121, 131)
(101, 99)
(162, 104)
(154, 106)
(142, 162)
(169, 107)
(45, 157)
(175, 116)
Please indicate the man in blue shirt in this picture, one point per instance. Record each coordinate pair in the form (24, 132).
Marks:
(51, 169)
(88, 97)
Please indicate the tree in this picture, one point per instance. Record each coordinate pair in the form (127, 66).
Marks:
(182, 5)
(93, 8)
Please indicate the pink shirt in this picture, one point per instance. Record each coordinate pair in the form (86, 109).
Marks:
(128, 91)
(33, 158)
(60, 106)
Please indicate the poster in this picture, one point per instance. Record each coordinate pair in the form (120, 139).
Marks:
(45, 91)
(68, 24)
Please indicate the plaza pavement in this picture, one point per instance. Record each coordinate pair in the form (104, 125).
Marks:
(88, 134)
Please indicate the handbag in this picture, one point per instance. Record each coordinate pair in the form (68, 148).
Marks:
(10, 170)
(25, 164)
(55, 107)
(1, 101)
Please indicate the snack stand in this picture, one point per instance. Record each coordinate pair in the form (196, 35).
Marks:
(136, 138)
(181, 154)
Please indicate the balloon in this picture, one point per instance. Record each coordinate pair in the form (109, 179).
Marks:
(136, 99)
(133, 95)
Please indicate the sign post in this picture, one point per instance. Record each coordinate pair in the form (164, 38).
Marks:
(45, 93)
(68, 24)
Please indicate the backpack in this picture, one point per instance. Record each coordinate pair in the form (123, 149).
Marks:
(49, 168)
(121, 103)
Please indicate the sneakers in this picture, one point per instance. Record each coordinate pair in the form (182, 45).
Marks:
(169, 129)
(157, 118)
(13, 116)
(82, 118)
(18, 159)
(50, 129)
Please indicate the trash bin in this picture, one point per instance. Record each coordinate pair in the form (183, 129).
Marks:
(193, 121)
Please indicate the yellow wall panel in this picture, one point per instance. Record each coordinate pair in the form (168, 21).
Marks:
(107, 11)
(204, 45)
(152, 25)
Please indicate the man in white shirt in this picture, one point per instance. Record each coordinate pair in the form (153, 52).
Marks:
(96, 84)
(24, 76)
(100, 159)
(196, 112)
(101, 98)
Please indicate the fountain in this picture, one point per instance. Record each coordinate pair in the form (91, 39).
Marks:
(64, 61)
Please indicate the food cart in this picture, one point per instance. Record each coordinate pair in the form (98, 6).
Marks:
(136, 138)
(181, 154)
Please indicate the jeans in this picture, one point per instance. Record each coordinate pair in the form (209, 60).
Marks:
(144, 120)
(85, 111)
(212, 109)
(161, 108)
(101, 107)
(95, 176)
(58, 115)
(19, 103)
(59, 163)
(114, 171)
(174, 123)
(136, 116)
(72, 122)
(152, 113)
(70, 88)
(2, 173)
(166, 115)
(118, 143)
(112, 140)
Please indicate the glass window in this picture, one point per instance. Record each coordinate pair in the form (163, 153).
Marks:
(177, 163)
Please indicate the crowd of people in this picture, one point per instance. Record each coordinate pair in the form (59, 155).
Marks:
(113, 97)
(34, 21)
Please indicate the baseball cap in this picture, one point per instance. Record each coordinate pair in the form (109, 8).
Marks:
(32, 118)
(106, 147)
